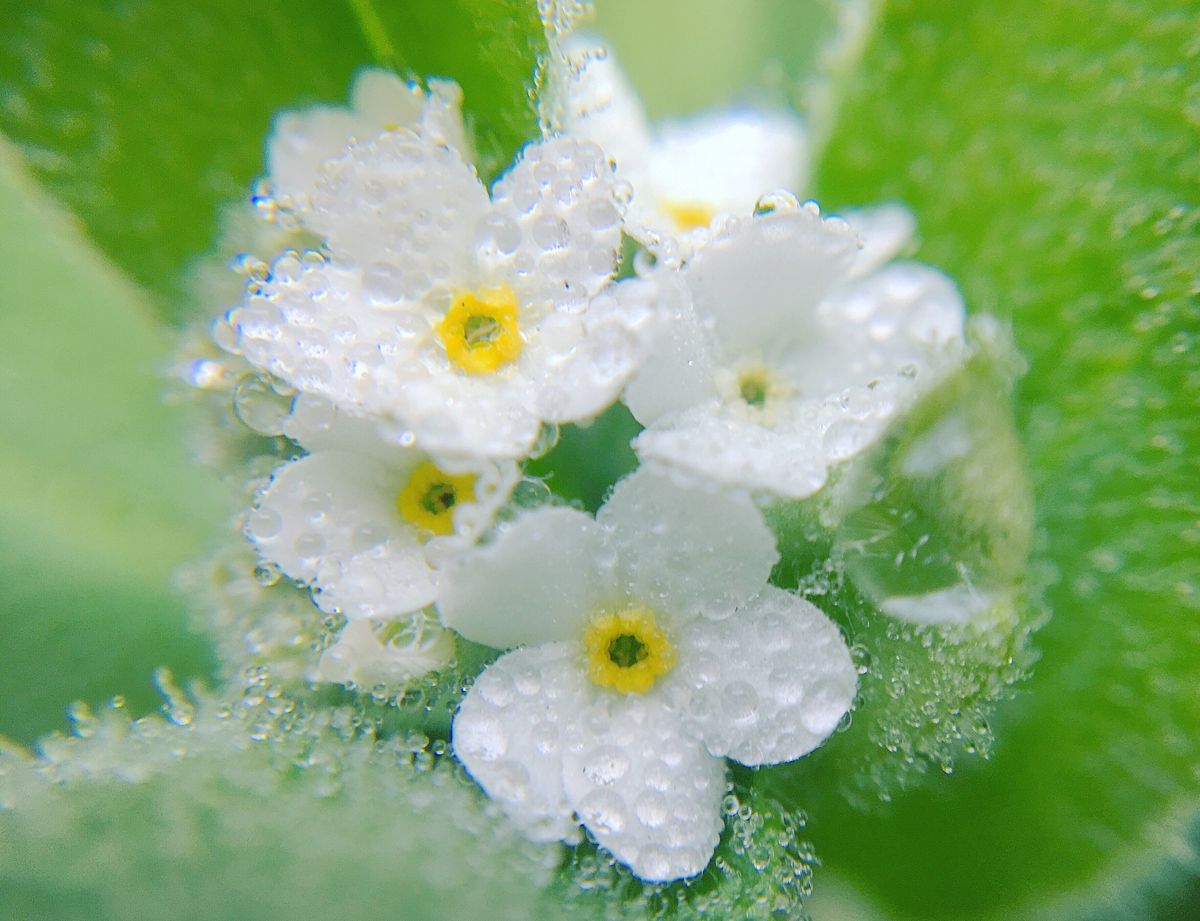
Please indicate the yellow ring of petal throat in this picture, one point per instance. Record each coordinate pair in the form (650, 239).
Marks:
(688, 215)
(627, 652)
(480, 331)
(429, 497)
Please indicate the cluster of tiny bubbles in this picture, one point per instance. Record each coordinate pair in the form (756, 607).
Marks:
(269, 207)
(262, 199)
(249, 266)
(268, 764)
(762, 869)
(423, 707)
(924, 693)
(253, 615)
(560, 16)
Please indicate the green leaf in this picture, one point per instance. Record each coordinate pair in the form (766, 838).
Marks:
(144, 118)
(690, 55)
(588, 459)
(258, 810)
(97, 500)
(1049, 151)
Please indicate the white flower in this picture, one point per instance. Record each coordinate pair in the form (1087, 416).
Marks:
(466, 321)
(368, 653)
(302, 141)
(655, 649)
(788, 352)
(683, 172)
(365, 523)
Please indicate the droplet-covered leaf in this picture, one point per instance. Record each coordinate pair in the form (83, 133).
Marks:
(1049, 151)
(257, 810)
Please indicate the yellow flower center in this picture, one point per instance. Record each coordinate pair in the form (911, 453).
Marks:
(754, 386)
(480, 331)
(688, 215)
(429, 498)
(627, 652)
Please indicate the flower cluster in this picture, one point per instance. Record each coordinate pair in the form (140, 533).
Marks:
(431, 331)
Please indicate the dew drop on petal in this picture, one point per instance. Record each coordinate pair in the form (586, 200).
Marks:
(776, 202)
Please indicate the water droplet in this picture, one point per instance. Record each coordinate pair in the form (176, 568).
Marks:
(775, 202)
(259, 406)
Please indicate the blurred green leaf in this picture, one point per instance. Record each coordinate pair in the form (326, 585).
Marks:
(588, 459)
(255, 811)
(144, 116)
(689, 55)
(97, 501)
(1049, 151)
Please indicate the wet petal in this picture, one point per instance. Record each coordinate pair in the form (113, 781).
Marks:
(555, 229)
(509, 733)
(538, 581)
(330, 519)
(687, 550)
(646, 790)
(768, 685)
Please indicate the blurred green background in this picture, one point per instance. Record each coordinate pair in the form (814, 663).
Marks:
(1049, 150)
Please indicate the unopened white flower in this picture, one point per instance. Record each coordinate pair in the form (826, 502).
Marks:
(465, 320)
(368, 653)
(683, 172)
(654, 648)
(786, 353)
(365, 523)
(303, 140)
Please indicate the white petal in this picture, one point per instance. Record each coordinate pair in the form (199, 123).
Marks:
(302, 141)
(538, 581)
(386, 100)
(369, 653)
(687, 551)
(456, 416)
(403, 208)
(312, 324)
(560, 200)
(761, 280)
(961, 603)
(509, 734)
(876, 345)
(727, 444)
(587, 358)
(768, 685)
(884, 232)
(646, 790)
(602, 106)
(318, 425)
(441, 119)
(905, 320)
(330, 519)
(678, 369)
(727, 160)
